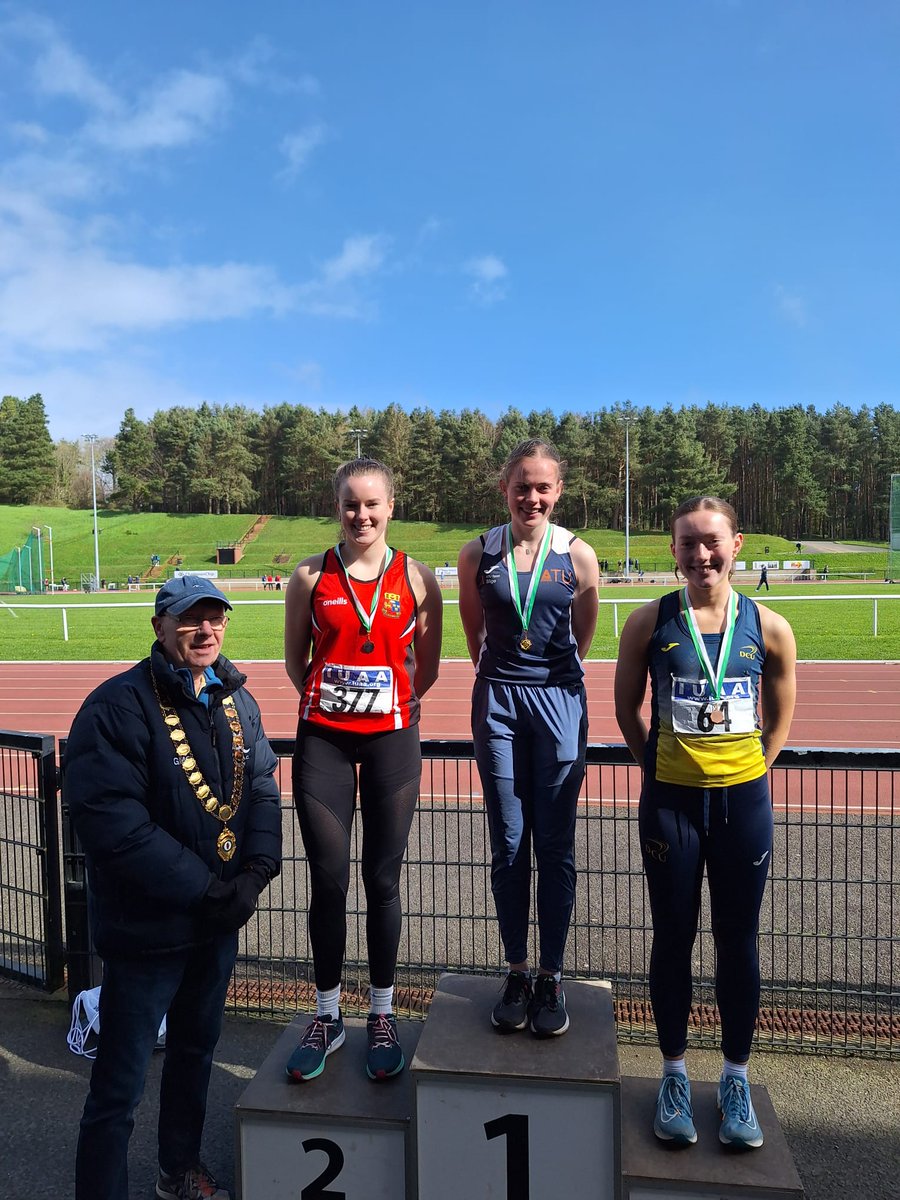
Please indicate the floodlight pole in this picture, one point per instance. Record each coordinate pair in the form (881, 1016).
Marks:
(628, 422)
(358, 433)
(91, 438)
(52, 580)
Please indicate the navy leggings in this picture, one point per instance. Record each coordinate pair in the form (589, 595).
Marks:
(729, 831)
(325, 785)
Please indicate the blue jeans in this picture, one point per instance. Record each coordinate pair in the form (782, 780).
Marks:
(530, 745)
(187, 987)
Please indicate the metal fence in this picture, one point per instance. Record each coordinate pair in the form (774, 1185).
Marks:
(31, 941)
(829, 952)
(829, 949)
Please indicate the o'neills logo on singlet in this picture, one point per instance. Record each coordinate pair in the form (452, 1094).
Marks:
(337, 600)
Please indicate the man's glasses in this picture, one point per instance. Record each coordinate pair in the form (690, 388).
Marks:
(186, 622)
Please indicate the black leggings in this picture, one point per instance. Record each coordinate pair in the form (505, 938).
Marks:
(729, 831)
(325, 784)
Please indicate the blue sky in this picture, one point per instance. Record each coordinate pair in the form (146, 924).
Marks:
(478, 204)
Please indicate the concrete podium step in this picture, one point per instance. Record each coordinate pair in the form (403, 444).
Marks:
(652, 1170)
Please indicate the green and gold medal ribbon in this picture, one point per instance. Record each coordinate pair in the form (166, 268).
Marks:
(531, 594)
(715, 677)
(365, 618)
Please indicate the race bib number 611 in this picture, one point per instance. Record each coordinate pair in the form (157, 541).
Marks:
(356, 689)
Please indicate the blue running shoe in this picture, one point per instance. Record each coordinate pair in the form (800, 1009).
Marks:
(739, 1124)
(674, 1121)
(385, 1058)
(321, 1037)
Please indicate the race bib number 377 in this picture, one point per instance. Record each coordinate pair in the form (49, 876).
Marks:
(356, 689)
(695, 712)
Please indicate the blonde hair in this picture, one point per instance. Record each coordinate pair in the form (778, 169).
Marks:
(531, 448)
(362, 466)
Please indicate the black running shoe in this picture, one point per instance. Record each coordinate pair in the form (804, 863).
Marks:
(511, 1010)
(548, 1008)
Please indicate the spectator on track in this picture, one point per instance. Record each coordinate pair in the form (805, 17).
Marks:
(711, 655)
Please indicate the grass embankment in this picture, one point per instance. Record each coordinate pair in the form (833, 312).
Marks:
(120, 628)
(127, 541)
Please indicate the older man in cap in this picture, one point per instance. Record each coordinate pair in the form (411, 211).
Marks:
(170, 784)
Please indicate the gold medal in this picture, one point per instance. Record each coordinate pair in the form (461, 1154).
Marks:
(525, 642)
(226, 844)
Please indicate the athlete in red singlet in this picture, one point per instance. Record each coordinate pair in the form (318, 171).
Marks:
(362, 646)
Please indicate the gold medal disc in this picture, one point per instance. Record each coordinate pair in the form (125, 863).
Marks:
(525, 642)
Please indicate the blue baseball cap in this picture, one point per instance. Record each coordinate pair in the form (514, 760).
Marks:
(178, 595)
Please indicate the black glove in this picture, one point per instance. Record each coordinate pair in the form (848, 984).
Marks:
(229, 906)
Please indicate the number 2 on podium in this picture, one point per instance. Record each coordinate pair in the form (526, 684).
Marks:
(514, 1127)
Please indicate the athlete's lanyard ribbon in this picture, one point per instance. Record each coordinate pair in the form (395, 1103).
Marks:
(366, 618)
(715, 677)
(531, 595)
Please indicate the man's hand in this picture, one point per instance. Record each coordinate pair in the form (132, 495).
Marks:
(229, 906)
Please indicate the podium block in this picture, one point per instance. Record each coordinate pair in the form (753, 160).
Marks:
(651, 1170)
(338, 1135)
(510, 1115)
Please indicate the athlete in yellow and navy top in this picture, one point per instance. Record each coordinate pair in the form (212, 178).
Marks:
(693, 739)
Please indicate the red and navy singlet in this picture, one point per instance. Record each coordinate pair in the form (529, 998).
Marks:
(345, 688)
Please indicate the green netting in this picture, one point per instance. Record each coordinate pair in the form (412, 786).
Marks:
(20, 568)
(894, 544)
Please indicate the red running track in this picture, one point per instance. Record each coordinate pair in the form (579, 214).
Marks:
(839, 704)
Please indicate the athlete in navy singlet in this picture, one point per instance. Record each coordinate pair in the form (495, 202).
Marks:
(712, 657)
(362, 646)
(528, 602)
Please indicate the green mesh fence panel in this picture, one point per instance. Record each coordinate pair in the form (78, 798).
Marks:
(20, 568)
(894, 544)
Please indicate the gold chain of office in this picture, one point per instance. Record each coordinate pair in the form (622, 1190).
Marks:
(226, 843)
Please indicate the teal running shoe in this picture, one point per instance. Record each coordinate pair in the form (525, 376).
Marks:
(384, 1059)
(323, 1035)
(739, 1124)
(674, 1121)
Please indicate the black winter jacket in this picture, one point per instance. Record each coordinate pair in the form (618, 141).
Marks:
(150, 846)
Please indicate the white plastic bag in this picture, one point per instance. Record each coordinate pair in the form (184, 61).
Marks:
(85, 1028)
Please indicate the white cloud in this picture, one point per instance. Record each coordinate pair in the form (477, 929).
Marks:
(361, 255)
(176, 112)
(298, 147)
(258, 66)
(29, 131)
(489, 275)
(791, 306)
(60, 71)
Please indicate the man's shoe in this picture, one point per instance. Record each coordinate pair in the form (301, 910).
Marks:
(674, 1121)
(739, 1124)
(195, 1183)
(385, 1058)
(322, 1036)
(511, 1010)
(548, 1008)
